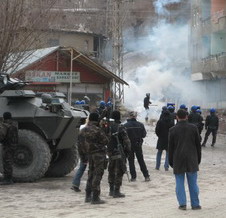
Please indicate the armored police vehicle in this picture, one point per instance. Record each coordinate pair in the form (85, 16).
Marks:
(48, 130)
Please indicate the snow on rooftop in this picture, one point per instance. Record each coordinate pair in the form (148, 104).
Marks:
(30, 57)
(76, 9)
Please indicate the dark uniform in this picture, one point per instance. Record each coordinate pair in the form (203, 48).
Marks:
(100, 111)
(162, 131)
(211, 124)
(171, 109)
(117, 159)
(146, 105)
(93, 142)
(196, 119)
(8, 146)
(136, 132)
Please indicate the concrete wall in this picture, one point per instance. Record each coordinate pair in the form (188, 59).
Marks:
(82, 42)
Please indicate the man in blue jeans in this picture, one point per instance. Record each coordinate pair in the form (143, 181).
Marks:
(82, 167)
(184, 158)
(78, 176)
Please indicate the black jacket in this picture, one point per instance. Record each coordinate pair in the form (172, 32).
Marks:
(184, 148)
(112, 147)
(196, 119)
(212, 122)
(136, 131)
(146, 102)
(162, 131)
(11, 138)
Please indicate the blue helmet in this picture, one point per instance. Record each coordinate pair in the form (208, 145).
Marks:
(170, 107)
(82, 102)
(77, 102)
(183, 106)
(193, 108)
(102, 103)
(212, 110)
(109, 104)
(171, 104)
(199, 111)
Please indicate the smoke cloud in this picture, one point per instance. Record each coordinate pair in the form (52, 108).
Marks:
(160, 66)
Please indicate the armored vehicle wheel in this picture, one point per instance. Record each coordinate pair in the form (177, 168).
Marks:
(63, 162)
(31, 158)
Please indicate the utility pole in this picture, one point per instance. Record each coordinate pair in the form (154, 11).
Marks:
(119, 13)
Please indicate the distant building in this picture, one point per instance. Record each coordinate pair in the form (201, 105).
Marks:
(86, 42)
(52, 70)
(208, 48)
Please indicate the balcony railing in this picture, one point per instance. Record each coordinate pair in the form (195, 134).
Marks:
(219, 14)
(213, 63)
(214, 23)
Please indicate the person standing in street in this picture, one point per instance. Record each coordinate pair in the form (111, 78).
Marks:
(196, 118)
(162, 131)
(184, 158)
(9, 144)
(93, 142)
(82, 166)
(211, 126)
(101, 109)
(146, 105)
(136, 132)
(118, 150)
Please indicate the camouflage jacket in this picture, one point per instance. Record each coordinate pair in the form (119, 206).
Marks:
(11, 138)
(119, 129)
(92, 139)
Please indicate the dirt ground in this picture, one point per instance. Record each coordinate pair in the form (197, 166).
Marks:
(54, 198)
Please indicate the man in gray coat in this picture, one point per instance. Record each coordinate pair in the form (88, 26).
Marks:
(184, 158)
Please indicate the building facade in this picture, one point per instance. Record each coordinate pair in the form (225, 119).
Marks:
(208, 49)
(66, 70)
(88, 43)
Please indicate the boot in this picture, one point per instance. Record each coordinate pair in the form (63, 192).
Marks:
(75, 188)
(96, 199)
(88, 197)
(111, 191)
(118, 194)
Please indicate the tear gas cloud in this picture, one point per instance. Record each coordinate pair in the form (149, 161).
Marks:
(165, 74)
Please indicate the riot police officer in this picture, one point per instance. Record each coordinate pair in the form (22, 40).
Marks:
(9, 144)
(195, 118)
(211, 125)
(118, 150)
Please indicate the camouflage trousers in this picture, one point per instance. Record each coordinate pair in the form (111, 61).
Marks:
(7, 158)
(116, 169)
(95, 172)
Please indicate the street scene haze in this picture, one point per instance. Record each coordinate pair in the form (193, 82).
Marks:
(112, 108)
